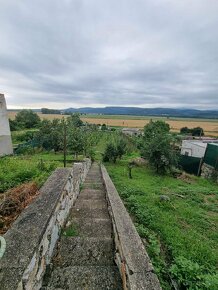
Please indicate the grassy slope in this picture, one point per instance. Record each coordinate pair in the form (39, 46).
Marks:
(15, 170)
(186, 227)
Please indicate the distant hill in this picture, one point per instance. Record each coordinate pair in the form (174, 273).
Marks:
(167, 112)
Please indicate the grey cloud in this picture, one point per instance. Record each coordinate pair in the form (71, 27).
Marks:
(89, 52)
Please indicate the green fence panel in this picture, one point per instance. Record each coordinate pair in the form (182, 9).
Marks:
(211, 155)
(189, 164)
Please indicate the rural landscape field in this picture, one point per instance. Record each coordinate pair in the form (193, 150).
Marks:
(175, 213)
(210, 126)
(109, 145)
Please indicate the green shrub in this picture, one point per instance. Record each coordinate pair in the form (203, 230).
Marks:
(192, 276)
(115, 150)
(70, 231)
(91, 154)
(25, 150)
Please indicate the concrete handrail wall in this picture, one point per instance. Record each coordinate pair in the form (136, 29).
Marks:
(131, 257)
(31, 240)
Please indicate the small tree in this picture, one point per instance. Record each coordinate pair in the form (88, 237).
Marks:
(75, 141)
(121, 147)
(50, 135)
(197, 131)
(115, 150)
(157, 148)
(185, 130)
(27, 119)
(154, 128)
(103, 127)
(110, 153)
(74, 120)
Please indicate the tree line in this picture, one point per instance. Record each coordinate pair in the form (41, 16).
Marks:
(70, 134)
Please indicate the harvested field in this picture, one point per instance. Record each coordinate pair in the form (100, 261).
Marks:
(210, 126)
(12, 114)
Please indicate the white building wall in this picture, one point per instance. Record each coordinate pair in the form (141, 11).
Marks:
(5, 133)
(193, 148)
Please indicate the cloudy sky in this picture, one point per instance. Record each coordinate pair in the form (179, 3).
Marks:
(72, 53)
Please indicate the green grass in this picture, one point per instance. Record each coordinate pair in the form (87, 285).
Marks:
(15, 170)
(21, 136)
(184, 228)
(70, 231)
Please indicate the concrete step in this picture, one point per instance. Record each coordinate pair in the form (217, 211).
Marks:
(92, 198)
(95, 169)
(93, 185)
(85, 278)
(89, 227)
(91, 204)
(89, 213)
(92, 194)
(93, 179)
(77, 251)
(94, 173)
(91, 191)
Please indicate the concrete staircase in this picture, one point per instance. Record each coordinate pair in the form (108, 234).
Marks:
(84, 257)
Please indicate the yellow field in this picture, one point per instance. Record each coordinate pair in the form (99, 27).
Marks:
(12, 115)
(210, 127)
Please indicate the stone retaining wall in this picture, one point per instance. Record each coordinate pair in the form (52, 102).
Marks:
(208, 171)
(33, 236)
(131, 257)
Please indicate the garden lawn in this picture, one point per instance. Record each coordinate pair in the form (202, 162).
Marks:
(15, 170)
(178, 221)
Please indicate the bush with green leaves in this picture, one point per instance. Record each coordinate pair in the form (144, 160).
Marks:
(154, 128)
(110, 153)
(190, 275)
(50, 135)
(25, 150)
(115, 150)
(23, 136)
(25, 119)
(157, 147)
(74, 120)
(103, 127)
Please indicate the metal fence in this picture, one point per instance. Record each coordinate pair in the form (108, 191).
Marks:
(211, 155)
(190, 164)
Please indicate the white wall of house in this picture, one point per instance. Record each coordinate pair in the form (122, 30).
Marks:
(5, 133)
(131, 131)
(193, 148)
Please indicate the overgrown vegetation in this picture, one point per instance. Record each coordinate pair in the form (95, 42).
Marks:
(178, 220)
(19, 169)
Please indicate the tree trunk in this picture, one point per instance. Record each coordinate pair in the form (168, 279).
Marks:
(130, 172)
